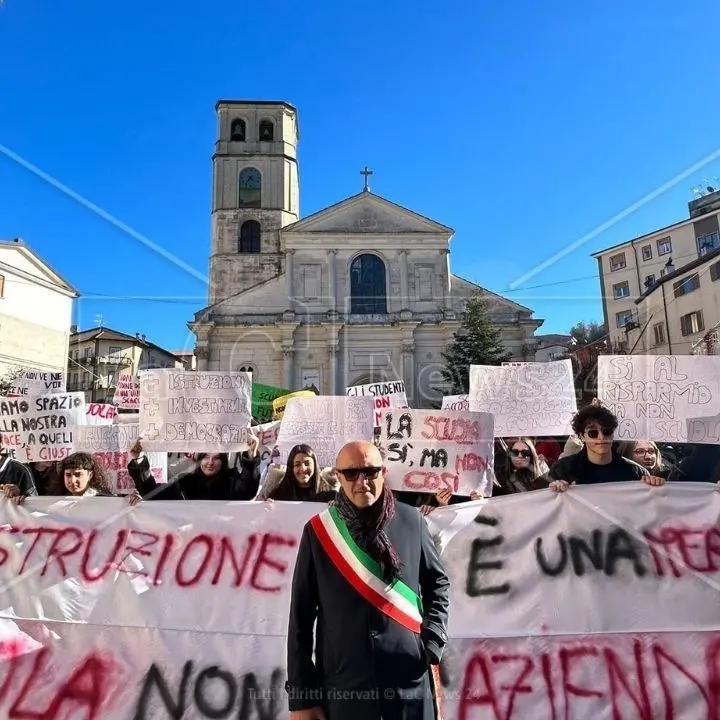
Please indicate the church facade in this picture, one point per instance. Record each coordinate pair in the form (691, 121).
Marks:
(359, 292)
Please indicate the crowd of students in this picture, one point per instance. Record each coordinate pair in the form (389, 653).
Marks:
(589, 456)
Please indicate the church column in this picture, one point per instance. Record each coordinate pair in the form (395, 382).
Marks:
(289, 272)
(408, 350)
(202, 354)
(405, 300)
(289, 368)
(332, 255)
(447, 297)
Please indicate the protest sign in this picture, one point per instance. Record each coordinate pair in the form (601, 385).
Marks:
(184, 411)
(31, 383)
(536, 399)
(279, 403)
(385, 395)
(110, 445)
(115, 606)
(262, 397)
(100, 414)
(654, 396)
(41, 428)
(127, 391)
(326, 423)
(456, 402)
(436, 450)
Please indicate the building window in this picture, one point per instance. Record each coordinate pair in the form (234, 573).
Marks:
(687, 285)
(708, 243)
(715, 271)
(248, 369)
(267, 131)
(115, 349)
(647, 252)
(621, 290)
(75, 379)
(692, 323)
(311, 277)
(623, 318)
(664, 246)
(367, 286)
(237, 130)
(249, 240)
(649, 280)
(659, 332)
(86, 352)
(617, 262)
(249, 191)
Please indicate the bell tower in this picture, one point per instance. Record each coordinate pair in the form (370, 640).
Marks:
(255, 192)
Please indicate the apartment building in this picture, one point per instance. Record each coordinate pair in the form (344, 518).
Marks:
(98, 355)
(628, 270)
(680, 313)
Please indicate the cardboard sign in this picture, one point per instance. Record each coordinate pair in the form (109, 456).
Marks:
(535, 399)
(127, 391)
(654, 396)
(325, 423)
(262, 400)
(385, 395)
(100, 414)
(183, 411)
(436, 450)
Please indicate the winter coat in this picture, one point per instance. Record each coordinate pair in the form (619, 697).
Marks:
(357, 648)
(15, 473)
(325, 491)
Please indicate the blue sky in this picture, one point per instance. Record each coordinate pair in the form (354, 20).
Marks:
(522, 126)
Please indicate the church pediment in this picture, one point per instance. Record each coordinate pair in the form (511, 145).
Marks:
(367, 213)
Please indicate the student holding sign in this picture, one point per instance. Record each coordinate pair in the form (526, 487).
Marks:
(595, 425)
(367, 570)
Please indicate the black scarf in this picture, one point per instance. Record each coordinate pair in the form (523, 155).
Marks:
(367, 528)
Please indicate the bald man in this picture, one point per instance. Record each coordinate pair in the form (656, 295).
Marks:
(368, 573)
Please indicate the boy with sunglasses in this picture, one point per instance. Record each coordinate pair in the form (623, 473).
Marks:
(595, 425)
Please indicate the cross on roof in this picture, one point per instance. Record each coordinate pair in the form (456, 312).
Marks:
(366, 173)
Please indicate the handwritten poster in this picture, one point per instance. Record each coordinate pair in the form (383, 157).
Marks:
(262, 400)
(326, 423)
(385, 395)
(281, 402)
(110, 445)
(267, 435)
(456, 402)
(41, 428)
(35, 382)
(435, 450)
(654, 396)
(536, 399)
(127, 391)
(100, 414)
(206, 411)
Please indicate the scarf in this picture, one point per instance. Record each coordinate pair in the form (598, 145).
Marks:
(367, 528)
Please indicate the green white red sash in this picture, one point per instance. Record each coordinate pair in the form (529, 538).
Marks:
(397, 601)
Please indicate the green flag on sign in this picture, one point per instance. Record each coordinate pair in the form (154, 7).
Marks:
(262, 397)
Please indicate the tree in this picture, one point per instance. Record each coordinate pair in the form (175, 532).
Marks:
(8, 378)
(587, 333)
(477, 342)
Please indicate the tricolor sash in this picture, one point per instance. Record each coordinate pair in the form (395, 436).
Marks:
(397, 601)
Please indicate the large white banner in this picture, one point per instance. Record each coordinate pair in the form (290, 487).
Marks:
(535, 399)
(385, 395)
(665, 398)
(436, 450)
(40, 429)
(595, 604)
(326, 423)
(183, 411)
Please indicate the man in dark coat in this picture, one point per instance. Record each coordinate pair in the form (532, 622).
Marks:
(368, 572)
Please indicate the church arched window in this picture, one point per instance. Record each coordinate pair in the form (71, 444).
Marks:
(267, 131)
(249, 240)
(250, 188)
(247, 368)
(237, 130)
(367, 285)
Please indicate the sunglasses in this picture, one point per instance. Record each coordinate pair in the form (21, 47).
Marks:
(595, 433)
(352, 474)
(520, 453)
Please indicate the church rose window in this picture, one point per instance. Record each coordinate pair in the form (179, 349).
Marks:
(267, 131)
(237, 130)
(367, 286)
(250, 182)
(249, 241)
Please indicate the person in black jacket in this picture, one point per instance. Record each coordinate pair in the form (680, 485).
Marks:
(212, 478)
(595, 425)
(16, 480)
(368, 573)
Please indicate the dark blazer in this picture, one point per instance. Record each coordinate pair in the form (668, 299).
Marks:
(358, 648)
(15, 473)
(229, 484)
(575, 468)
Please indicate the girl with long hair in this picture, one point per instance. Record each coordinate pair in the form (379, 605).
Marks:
(303, 479)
